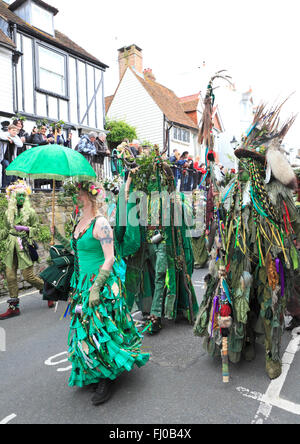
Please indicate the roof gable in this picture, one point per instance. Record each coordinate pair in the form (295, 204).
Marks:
(15, 5)
(166, 100)
(60, 40)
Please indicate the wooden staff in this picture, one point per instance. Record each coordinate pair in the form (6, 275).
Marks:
(225, 322)
(53, 212)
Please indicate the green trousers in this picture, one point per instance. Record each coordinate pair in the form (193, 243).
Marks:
(157, 255)
(28, 275)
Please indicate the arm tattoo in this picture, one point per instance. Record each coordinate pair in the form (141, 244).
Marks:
(104, 235)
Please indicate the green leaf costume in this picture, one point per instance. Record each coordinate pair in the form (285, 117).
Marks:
(155, 270)
(103, 340)
(258, 260)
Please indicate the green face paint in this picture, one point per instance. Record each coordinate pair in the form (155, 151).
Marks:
(20, 197)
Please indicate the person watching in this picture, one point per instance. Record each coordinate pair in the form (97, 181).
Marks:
(9, 144)
(39, 137)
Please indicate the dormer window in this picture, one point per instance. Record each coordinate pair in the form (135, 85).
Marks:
(42, 19)
(37, 13)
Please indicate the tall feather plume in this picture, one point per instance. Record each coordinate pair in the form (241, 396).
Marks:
(205, 133)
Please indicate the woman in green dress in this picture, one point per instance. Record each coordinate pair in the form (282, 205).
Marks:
(103, 340)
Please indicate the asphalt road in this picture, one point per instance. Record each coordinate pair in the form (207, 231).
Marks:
(180, 385)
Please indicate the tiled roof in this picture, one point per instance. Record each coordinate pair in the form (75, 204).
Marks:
(167, 101)
(190, 103)
(60, 40)
(6, 41)
(108, 101)
(190, 106)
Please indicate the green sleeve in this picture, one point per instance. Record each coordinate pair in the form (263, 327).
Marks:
(127, 237)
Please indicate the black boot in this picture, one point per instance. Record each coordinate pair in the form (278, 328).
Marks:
(102, 392)
(155, 326)
(295, 322)
(13, 309)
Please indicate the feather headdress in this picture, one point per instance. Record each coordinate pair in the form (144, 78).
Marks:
(263, 143)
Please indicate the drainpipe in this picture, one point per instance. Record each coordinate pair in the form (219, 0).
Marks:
(13, 29)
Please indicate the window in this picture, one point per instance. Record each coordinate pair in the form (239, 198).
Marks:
(52, 71)
(182, 135)
(42, 19)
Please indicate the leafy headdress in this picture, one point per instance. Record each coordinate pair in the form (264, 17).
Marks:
(11, 194)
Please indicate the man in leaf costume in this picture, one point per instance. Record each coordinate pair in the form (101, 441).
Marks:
(19, 231)
(255, 265)
(157, 249)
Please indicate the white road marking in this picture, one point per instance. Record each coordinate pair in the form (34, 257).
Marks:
(8, 419)
(272, 396)
(51, 362)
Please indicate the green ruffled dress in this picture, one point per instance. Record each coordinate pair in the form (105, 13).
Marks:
(103, 341)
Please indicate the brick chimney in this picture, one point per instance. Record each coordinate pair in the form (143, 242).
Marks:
(130, 56)
(148, 74)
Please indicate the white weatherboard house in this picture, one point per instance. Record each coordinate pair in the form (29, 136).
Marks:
(44, 74)
(150, 107)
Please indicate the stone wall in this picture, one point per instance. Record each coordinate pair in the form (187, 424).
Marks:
(42, 203)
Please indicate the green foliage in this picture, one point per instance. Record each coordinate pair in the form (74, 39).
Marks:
(119, 130)
(146, 143)
(43, 122)
(69, 227)
(57, 125)
(19, 117)
(145, 178)
(44, 235)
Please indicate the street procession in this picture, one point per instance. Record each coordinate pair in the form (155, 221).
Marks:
(149, 223)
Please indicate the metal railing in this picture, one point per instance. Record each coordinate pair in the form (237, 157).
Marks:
(103, 169)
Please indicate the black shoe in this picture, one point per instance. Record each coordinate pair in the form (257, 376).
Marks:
(295, 322)
(102, 392)
(155, 325)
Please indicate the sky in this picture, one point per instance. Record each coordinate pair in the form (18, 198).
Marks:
(256, 41)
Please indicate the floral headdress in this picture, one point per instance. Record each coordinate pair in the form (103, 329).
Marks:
(18, 187)
(94, 189)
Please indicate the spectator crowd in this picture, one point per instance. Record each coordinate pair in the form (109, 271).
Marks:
(14, 140)
(189, 174)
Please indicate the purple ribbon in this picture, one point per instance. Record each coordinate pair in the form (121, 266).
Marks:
(279, 269)
(219, 225)
(216, 307)
(21, 228)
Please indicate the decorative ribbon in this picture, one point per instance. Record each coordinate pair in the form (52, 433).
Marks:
(226, 290)
(279, 269)
(288, 216)
(228, 191)
(202, 180)
(215, 309)
(66, 312)
(20, 243)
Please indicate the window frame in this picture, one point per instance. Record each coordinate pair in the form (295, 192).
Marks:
(182, 135)
(38, 88)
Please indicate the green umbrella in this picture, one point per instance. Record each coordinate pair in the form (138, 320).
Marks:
(51, 162)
